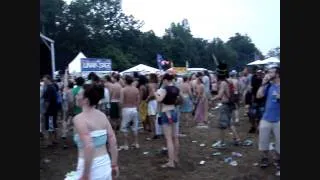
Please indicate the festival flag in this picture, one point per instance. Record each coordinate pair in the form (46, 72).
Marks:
(256, 56)
(159, 61)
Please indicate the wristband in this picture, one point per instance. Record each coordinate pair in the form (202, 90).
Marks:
(114, 166)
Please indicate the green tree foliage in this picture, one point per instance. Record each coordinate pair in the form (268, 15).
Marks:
(275, 52)
(99, 28)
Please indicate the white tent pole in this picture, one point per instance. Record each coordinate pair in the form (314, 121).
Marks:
(53, 64)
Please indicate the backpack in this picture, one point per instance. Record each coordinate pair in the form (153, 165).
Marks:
(233, 98)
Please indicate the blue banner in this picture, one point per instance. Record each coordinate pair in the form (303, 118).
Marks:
(96, 65)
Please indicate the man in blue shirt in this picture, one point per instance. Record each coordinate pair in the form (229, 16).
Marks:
(270, 121)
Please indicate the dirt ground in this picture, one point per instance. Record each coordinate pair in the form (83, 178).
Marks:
(135, 165)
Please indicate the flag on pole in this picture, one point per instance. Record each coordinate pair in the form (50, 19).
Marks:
(159, 61)
(215, 59)
(256, 56)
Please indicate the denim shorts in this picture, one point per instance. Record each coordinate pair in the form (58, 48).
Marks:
(225, 116)
(163, 119)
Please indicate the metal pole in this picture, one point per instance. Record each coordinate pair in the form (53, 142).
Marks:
(53, 65)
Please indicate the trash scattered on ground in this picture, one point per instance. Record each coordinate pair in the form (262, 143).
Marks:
(70, 175)
(202, 127)
(182, 135)
(216, 144)
(228, 160)
(255, 164)
(145, 153)
(272, 146)
(278, 173)
(202, 162)
(219, 145)
(164, 151)
(216, 154)
(46, 160)
(230, 133)
(218, 106)
(234, 163)
(148, 139)
(236, 154)
(247, 143)
(202, 145)
(194, 141)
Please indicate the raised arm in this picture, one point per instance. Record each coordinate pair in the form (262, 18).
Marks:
(261, 90)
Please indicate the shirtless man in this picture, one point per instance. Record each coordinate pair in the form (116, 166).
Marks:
(233, 79)
(115, 89)
(129, 101)
(225, 111)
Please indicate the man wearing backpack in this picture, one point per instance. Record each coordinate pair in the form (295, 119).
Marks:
(224, 92)
(270, 122)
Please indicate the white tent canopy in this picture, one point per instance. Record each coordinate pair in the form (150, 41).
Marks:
(141, 68)
(75, 65)
(271, 60)
(257, 62)
(266, 61)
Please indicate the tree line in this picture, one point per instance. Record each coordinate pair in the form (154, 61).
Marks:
(99, 28)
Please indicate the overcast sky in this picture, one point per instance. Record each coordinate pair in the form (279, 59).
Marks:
(260, 19)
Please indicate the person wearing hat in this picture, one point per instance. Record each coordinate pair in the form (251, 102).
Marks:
(225, 109)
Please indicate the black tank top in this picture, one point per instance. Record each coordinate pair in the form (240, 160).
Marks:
(171, 96)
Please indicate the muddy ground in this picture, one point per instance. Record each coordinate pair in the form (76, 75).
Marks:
(135, 165)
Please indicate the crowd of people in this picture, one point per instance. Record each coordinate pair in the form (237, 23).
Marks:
(98, 110)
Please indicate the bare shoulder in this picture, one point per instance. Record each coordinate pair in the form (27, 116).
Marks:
(100, 114)
(223, 84)
(77, 118)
